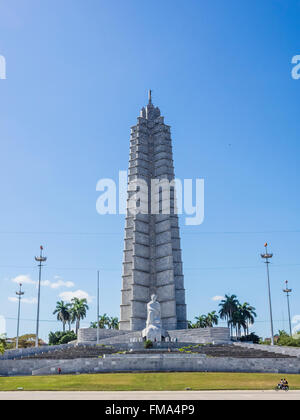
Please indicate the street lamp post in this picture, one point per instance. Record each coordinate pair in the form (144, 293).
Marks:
(287, 291)
(266, 256)
(98, 299)
(40, 260)
(19, 294)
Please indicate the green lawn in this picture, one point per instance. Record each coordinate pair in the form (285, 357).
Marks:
(149, 382)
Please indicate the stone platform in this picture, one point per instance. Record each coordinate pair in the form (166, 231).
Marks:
(151, 363)
(164, 357)
(215, 335)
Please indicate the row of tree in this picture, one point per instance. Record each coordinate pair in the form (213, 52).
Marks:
(238, 316)
(25, 341)
(204, 321)
(105, 321)
(69, 313)
(2, 344)
(60, 337)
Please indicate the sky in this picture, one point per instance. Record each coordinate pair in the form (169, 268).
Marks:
(77, 75)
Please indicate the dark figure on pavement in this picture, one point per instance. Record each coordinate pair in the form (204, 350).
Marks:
(283, 385)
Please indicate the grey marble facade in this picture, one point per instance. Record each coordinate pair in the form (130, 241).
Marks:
(152, 262)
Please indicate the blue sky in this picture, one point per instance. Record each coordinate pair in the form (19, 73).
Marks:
(78, 74)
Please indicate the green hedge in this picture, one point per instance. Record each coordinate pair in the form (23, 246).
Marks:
(60, 337)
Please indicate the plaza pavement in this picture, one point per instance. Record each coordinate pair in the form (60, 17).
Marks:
(151, 395)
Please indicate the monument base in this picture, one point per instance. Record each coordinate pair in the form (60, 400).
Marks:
(215, 335)
(154, 334)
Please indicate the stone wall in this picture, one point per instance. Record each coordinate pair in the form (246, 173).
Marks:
(90, 334)
(31, 351)
(25, 367)
(291, 351)
(151, 363)
(214, 335)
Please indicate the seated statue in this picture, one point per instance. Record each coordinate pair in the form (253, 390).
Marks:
(153, 330)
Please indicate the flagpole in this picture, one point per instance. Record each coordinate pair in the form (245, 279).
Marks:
(98, 300)
(20, 294)
(40, 260)
(267, 256)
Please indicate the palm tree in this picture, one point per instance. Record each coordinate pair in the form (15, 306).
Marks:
(211, 319)
(201, 321)
(191, 325)
(104, 321)
(78, 311)
(249, 315)
(228, 306)
(114, 323)
(238, 321)
(63, 313)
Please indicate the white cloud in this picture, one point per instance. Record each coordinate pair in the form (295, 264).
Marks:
(80, 294)
(45, 283)
(217, 298)
(60, 283)
(31, 301)
(296, 318)
(24, 279)
(13, 299)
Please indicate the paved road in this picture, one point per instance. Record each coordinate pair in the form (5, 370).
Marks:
(152, 395)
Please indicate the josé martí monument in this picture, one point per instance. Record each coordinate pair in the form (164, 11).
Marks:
(153, 297)
(153, 305)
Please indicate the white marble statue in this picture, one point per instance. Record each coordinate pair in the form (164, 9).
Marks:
(153, 330)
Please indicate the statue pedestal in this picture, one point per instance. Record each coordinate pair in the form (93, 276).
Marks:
(152, 333)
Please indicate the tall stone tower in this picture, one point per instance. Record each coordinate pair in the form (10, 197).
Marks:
(152, 261)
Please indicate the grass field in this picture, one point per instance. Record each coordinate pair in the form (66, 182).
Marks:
(149, 382)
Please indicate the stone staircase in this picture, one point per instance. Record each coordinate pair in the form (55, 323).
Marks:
(32, 351)
(237, 352)
(215, 335)
(77, 352)
(273, 350)
(215, 351)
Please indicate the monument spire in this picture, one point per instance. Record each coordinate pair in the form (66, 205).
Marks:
(152, 261)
